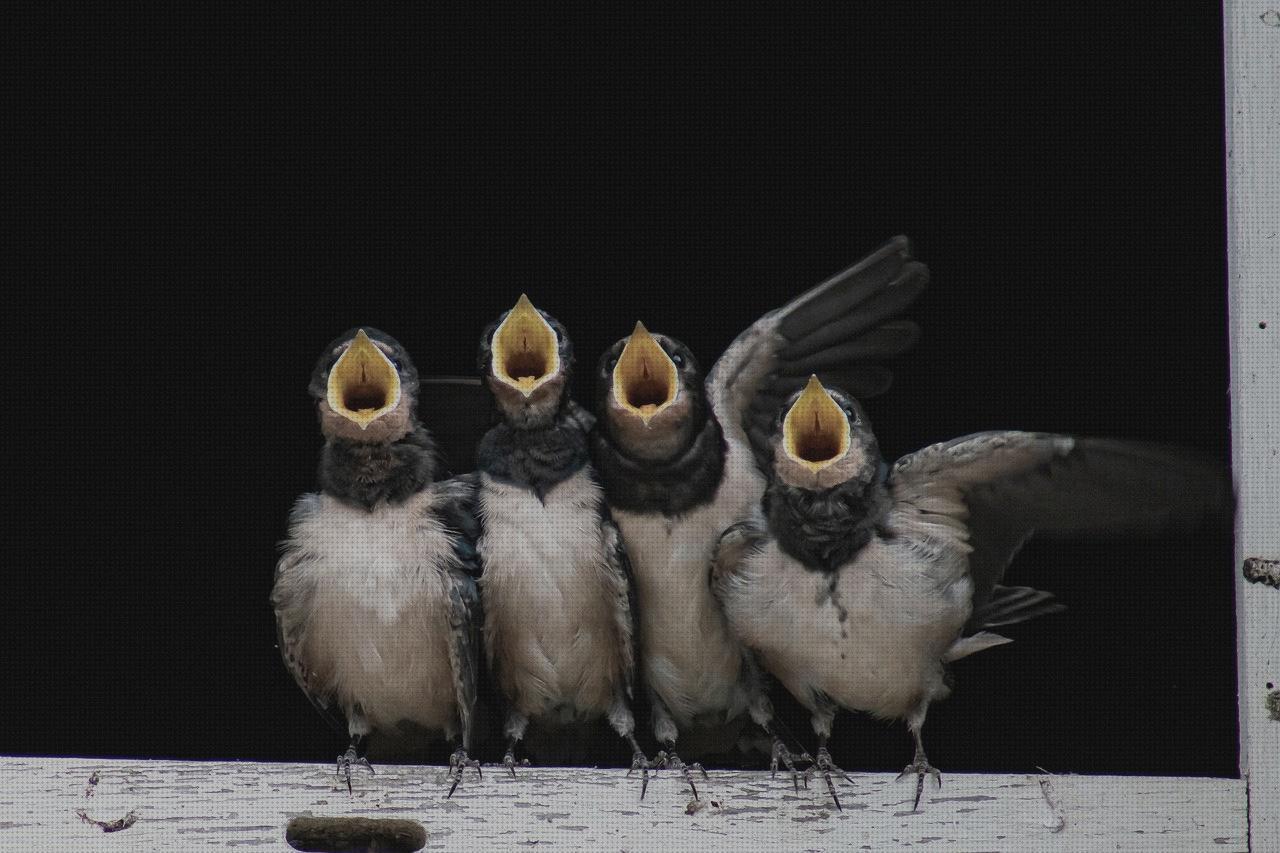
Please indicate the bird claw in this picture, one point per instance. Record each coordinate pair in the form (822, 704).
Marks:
(639, 762)
(459, 761)
(345, 762)
(509, 761)
(921, 768)
(827, 766)
(780, 751)
(671, 760)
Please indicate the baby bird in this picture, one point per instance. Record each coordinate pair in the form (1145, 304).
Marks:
(684, 456)
(377, 610)
(556, 585)
(856, 585)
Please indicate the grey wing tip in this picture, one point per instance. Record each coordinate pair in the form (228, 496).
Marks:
(1010, 605)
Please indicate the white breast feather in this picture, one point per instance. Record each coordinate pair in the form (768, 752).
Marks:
(689, 657)
(550, 617)
(377, 628)
(875, 643)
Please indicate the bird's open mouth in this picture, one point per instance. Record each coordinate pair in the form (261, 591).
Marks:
(526, 352)
(645, 380)
(815, 431)
(363, 385)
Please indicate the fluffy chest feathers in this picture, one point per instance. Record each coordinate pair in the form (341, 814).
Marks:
(550, 596)
(384, 559)
(871, 635)
(689, 657)
(370, 590)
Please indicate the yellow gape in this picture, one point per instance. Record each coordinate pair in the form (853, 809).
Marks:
(815, 432)
(525, 351)
(364, 385)
(645, 380)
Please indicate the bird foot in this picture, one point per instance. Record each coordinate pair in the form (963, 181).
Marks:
(639, 762)
(509, 761)
(826, 766)
(347, 760)
(921, 768)
(459, 761)
(781, 753)
(670, 759)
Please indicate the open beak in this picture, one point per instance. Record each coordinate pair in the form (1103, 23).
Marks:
(525, 351)
(363, 385)
(645, 380)
(815, 432)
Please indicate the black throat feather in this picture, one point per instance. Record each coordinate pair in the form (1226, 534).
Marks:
(671, 488)
(364, 474)
(825, 529)
(536, 457)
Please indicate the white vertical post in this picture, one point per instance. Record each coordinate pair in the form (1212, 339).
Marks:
(1252, 54)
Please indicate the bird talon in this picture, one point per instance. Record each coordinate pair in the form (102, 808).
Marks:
(459, 761)
(673, 761)
(921, 768)
(639, 762)
(346, 761)
(780, 752)
(827, 766)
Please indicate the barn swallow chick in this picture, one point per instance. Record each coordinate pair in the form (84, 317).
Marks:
(684, 457)
(857, 585)
(556, 584)
(375, 597)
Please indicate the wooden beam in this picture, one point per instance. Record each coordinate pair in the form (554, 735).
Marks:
(1252, 56)
(189, 805)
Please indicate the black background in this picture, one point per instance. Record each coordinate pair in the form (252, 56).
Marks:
(223, 202)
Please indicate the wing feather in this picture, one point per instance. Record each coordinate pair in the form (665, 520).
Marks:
(999, 488)
(839, 330)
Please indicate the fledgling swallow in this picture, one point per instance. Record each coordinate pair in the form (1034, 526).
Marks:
(857, 585)
(684, 457)
(375, 597)
(556, 584)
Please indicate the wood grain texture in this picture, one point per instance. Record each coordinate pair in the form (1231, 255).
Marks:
(1252, 56)
(193, 805)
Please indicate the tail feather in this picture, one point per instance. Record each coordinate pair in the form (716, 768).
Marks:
(1012, 604)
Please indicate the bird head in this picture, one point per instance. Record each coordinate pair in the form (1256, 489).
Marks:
(649, 392)
(822, 439)
(365, 388)
(525, 357)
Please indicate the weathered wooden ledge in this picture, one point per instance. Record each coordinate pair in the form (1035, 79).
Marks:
(185, 805)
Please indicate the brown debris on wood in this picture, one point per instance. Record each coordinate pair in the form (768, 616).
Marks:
(110, 825)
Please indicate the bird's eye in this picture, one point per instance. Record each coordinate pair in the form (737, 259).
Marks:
(678, 359)
(849, 411)
(613, 362)
(397, 363)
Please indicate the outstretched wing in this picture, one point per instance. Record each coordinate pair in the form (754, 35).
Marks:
(839, 330)
(456, 505)
(995, 489)
(291, 599)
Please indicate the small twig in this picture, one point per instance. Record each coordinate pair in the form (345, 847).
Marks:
(93, 782)
(110, 825)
